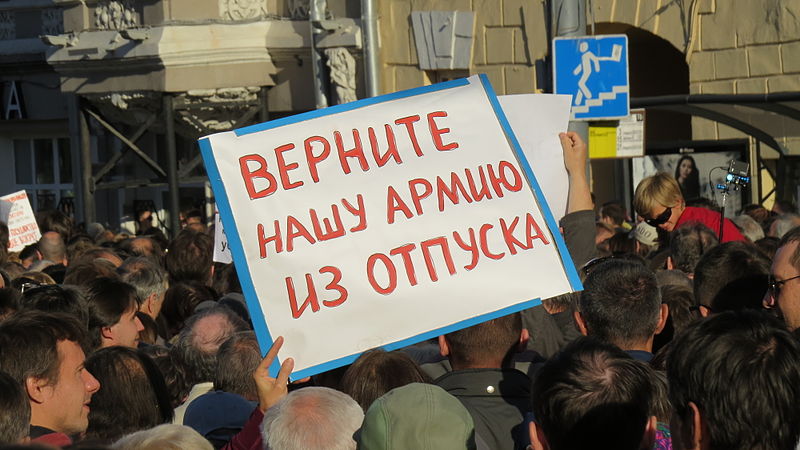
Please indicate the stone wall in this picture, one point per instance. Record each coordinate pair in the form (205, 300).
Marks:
(746, 47)
(732, 46)
(509, 37)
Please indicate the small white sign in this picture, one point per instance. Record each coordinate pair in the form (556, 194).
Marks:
(222, 253)
(630, 135)
(16, 212)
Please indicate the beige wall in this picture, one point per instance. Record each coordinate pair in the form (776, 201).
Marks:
(502, 28)
(733, 46)
(746, 47)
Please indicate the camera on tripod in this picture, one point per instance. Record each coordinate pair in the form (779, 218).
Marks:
(737, 176)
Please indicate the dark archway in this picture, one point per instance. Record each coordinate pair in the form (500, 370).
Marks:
(656, 68)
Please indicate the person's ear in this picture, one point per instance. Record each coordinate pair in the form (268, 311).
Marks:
(662, 319)
(670, 263)
(106, 333)
(704, 311)
(524, 336)
(538, 440)
(699, 431)
(36, 389)
(649, 437)
(580, 323)
(444, 348)
(148, 304)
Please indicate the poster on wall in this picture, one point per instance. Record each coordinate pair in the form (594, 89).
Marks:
(384, 222)
(698, 170)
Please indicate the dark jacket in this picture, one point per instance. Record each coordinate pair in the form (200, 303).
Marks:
(497, 399)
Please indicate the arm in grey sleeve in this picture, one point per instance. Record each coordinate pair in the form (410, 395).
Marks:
(579, 232)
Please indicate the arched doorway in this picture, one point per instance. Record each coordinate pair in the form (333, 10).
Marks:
(655, 68)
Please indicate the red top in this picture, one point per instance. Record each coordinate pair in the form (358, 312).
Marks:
(710, 219)
(250, 436)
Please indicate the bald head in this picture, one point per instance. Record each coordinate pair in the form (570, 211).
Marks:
(211, 332)
(52, 247)
(199, 342)
(145, 246)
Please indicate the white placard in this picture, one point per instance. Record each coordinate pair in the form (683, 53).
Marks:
(16, 212)
(384, 222)
(222, 253)
(536, 120)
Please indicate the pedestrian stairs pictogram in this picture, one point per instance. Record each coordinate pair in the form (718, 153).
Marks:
(599, 101)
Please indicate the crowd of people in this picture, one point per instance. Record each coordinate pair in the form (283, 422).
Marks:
(679, 339)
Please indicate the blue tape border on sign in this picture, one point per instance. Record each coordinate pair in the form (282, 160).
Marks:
(566, 260)
(237, 249)
(226, 213)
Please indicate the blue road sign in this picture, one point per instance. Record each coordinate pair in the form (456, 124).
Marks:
(594, 70)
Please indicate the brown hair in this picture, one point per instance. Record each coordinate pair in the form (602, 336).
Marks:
(377, 372)
(485, 342)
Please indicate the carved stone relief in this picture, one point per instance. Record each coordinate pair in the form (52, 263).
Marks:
(8, 27)
(131, 108)
(116, 15)
(52, 21)
(222, 110)
(342, 67)
(298, 9)
(235, 10)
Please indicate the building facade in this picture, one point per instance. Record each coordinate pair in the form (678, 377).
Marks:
(103, 100)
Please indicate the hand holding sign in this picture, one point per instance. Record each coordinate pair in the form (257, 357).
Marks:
(574, 152)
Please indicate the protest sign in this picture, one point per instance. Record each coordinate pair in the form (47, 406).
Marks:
(16, 212)
(536, 120)
(384, 222)
(222, 253)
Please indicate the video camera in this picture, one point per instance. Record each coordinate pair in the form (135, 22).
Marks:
(737, 176)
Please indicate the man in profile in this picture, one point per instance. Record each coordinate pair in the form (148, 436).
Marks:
(734, 383)
(784, 282)
(42, 351)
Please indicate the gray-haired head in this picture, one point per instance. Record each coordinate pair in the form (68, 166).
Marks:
(164, 437)
(312, 418)
(783, 224)
(146, 276)
(750, 228)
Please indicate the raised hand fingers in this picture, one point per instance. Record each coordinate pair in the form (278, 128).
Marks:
(283, 374)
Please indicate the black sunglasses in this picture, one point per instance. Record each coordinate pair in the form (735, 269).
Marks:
(661, 219)
(775, 285)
